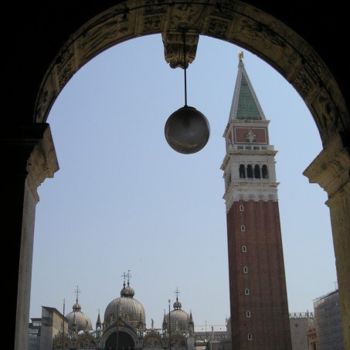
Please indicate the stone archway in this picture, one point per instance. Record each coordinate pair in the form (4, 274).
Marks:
(233, 21)
(120, 341)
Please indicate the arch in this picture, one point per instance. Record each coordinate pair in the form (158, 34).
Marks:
(265, 172)
(119, 341)
(250, 171)
(239, 23)
(233, 21)
(242, 171)
(257, 174)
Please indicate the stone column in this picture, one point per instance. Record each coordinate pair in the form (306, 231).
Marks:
(331, 170)
(29, 157)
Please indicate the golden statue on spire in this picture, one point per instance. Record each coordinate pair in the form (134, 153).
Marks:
(240, 56)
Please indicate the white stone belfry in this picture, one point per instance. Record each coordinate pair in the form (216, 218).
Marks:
(249, 163)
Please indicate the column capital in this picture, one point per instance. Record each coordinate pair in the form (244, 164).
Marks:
(42, 162)
(174, 47)
(331, 168)
(28, 151)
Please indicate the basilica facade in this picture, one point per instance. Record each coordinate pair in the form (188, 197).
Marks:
(123, 328)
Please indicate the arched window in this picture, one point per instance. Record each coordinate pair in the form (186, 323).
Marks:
(228, 180)
(241, 207)
(249, 171)
(242, 171)
(246, 291)
(257, 171)
(265, 173)
(248, 314)
(250, 336)
(244, 249)
(242, 228)
(245, 269)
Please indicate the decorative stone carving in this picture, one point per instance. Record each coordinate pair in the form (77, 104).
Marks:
(42, 163)
(218, 27)
(174, 48)
(65, 65)
(331, 167)
(250, 136)
(327, 115)
(46, 98)
(182, 18)
(233, 21)
(303, 82)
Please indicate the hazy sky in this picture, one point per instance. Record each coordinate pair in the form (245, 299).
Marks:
(124, 200)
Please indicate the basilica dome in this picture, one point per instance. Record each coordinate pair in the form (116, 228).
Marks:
(180, 320)
(77, 320)
(127, 309)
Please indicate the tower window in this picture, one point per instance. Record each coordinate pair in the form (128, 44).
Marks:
(257, 171)
(245, 269)
(248, 314)
(244, 249)
(250, 336)
(228, 180)
(241, 207)
(249, 171)
(242, 228)
(265, 173)
(242, 171)
(247, 291)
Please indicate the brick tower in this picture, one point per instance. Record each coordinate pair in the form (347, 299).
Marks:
(258, 297)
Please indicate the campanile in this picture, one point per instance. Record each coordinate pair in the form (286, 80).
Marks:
(258, 296)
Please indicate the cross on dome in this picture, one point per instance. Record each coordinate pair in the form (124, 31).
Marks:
(126, 277)
(77, 291)
(177, 305)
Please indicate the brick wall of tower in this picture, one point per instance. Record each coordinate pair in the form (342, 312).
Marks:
(257, 279)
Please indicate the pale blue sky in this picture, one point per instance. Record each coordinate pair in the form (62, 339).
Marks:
(124, 200)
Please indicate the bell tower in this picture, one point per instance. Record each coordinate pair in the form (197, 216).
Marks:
(258, 296)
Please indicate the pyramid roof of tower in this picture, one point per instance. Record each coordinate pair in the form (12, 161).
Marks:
(245, 104)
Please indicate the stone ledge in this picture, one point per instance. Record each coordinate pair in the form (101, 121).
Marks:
(331, 168)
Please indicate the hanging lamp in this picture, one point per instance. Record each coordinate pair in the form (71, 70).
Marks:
(187, 129)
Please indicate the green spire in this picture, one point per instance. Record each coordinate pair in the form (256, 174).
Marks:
(245, 105)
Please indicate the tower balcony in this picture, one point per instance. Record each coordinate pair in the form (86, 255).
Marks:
(251, 147)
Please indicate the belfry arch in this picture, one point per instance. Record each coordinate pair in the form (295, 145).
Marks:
(232, 21)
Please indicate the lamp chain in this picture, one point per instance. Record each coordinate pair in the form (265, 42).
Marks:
(185, 66)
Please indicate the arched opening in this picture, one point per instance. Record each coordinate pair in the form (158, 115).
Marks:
(242, 171)
(264, 171)
(249, 171)
(120, 341)
(88, 152)
(322, 106)
(257, 171)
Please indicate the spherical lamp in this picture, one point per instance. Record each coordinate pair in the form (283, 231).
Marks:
(187, 130)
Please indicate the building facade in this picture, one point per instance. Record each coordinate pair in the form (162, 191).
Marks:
(328, 322)
(258, 297)
(301, 326)
(123, 328)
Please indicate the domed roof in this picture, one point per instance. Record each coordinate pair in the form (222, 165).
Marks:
(77, 320)
(126, 308)
(180, 320)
